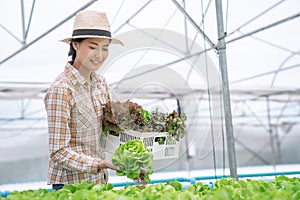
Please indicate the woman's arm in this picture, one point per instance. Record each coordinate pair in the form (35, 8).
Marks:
(58, 107)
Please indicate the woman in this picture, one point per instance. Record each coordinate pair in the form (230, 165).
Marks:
(74, 105)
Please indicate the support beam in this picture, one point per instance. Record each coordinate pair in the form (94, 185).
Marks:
(221, 47)
(270, 130)
(194, 24)
(25, 46)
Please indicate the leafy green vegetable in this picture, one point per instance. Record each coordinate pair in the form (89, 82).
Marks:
(102, 187)
(175, 184)
(147, 116)
(84, 194)
(175, 125)
(160, 140)
(281, 188)
(131, 157)
(119, 116)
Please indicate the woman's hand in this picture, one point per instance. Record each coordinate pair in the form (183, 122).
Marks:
(107, 164)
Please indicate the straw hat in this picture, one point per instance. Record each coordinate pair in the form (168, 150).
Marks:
(91, 24)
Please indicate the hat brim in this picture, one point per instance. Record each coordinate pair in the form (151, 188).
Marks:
(112, 40)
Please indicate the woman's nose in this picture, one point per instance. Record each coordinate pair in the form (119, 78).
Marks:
(99, 53)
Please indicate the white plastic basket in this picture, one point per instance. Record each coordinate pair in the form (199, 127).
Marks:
(168, 149)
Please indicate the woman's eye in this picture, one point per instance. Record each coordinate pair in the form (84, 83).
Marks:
(92, 47)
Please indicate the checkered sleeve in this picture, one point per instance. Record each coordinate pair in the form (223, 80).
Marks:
(57, 105)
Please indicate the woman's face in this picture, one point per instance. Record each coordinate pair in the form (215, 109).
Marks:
(91, 53)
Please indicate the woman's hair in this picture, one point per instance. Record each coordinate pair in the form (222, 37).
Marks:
(72, 51)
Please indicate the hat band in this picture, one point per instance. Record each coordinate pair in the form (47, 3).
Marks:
(97, 32)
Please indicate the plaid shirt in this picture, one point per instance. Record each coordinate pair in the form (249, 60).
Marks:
(74, 111)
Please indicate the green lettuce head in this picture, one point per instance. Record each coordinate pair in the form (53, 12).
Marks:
(131, 157)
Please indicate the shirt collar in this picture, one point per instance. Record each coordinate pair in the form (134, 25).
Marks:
(76, 77)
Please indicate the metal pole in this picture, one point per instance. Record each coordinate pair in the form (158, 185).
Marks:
(189, 18)
(270, 130)
(188, 157)
(226, 94)
(23, 23)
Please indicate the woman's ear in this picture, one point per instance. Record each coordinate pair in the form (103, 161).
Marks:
(75, 45)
